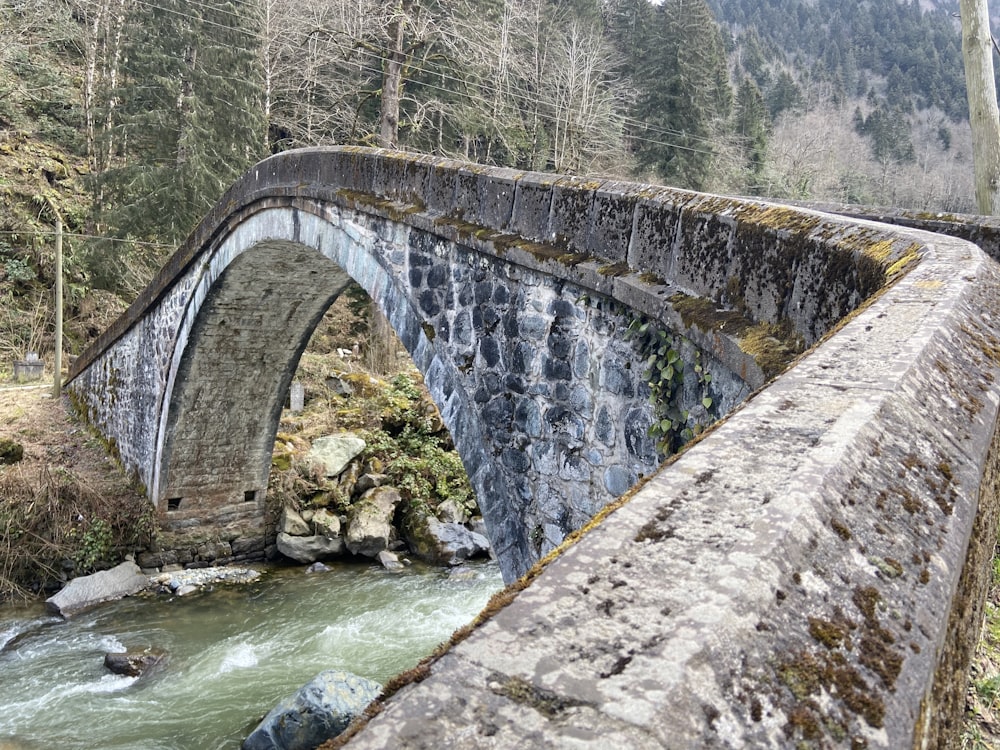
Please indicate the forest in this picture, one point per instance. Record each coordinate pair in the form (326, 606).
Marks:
(126, 119)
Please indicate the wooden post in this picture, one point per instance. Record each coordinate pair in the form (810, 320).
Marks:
(57, 384)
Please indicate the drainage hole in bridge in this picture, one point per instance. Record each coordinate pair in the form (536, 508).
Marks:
(174, 503)
(250, 496)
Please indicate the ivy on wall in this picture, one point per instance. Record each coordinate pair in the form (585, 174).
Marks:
(674, 423)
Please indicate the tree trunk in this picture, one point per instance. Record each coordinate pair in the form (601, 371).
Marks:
(977, 51)
(91, 63)
(392, 82)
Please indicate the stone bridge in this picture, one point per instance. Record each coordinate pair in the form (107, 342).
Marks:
(810, 572)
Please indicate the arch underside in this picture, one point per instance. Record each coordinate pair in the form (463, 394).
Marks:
(239, 361)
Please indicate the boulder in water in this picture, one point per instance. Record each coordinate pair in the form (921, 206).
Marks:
(86, 591)
(441, 543)
(390, 560)
(319, 711)
(135, 663)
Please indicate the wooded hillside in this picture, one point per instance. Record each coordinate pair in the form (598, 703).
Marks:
(128, 118)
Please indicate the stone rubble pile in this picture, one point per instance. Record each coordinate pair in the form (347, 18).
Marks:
(378, 522)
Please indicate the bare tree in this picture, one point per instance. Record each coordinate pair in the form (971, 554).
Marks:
(579, 87)
(488, 45)
(977, 51)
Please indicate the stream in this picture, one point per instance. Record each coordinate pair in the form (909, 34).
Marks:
(233, 653)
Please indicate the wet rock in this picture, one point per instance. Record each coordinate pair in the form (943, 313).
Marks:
(390, 560)
(319, 711)
(309, 549)
(334, 452)
(135, 663)
(441, 543)
(369, 522)
(318, 567)
(462, 573)
(157, 559)
(182, 582)
(86, 591)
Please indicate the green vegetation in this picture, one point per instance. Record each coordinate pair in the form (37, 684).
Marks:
(673, 425)
(982, 725)
(683, 90)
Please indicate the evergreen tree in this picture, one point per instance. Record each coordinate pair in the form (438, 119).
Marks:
(888, 132)
(684, 94)
(190, 118)
(784, 95)
(752, 126)
(753, 59)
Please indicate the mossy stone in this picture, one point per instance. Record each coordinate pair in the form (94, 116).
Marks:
(11, 451)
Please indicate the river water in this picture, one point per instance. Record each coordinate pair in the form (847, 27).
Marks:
(234, 652)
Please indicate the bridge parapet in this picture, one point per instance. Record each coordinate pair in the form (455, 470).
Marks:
(768, 264)
(810, 574)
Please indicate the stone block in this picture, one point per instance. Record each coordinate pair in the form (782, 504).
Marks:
(654, 245)
(532, 207)
(572, 215)
(86, 591)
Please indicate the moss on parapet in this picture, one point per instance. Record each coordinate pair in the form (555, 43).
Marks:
(541, 251)
(773, 346)
(702, 313)
(392, 209)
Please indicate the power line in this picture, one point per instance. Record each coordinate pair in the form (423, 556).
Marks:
(81, 235)
(640, 131)
(524, 96)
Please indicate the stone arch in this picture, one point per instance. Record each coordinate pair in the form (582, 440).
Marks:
(548, 421)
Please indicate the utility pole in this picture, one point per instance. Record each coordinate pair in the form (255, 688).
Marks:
(977, 51)
(57, 384)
